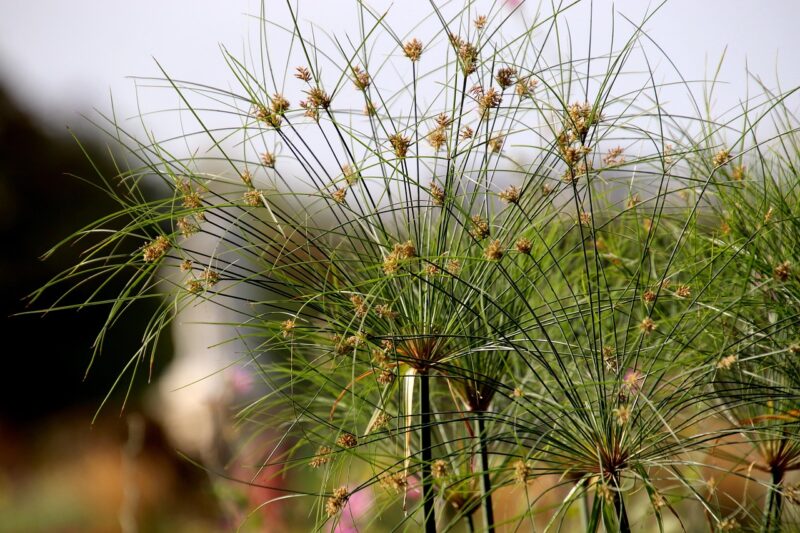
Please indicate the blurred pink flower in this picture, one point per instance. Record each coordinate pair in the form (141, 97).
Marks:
(513, 3)
(241, 381)
(414, 491)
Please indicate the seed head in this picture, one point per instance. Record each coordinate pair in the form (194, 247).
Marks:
(360, 78)
(614, 157)
(518, 392)
(267, 117)
(466, 133)
(268, 158)
(252, 198)
(468, 55)
(505, 77)
(391, 263)
(437, 194)
(339, 195)
(609, 359)
(480, 22)
(360, 306)
(318, 98)
(729, 524)
(480, 227)
(280, 105)
(782, 271)
(647, 326)
(546, 189)
(633, 201)
(385, 312)
(510, 195)
(186, 227)
(523, 245)
(431, 270)
(683, 291)
(302, 73)
(323, 457)
(413, 49)
(186, 265)
(247, 178)
(580, 118)
(396, 481)
(400, 144)
(623, 414)
(573, 155)
(405, 250)
(721, 158)
(336, 502)
(287, 327)
(453, 266)
(385, 377)
(649, 296)
(192, 200)
(311, 111)
(437, 138)
(496, 142)
(351, 175)
(347, 440)
(727, 362)
(156, 249)
(738, 173)
(524, 88)
(490, 99)
(585, 218)
(381, 421)
(439, 469)
(494, 251)
(210, 277)
(194, 286)
(522, 471)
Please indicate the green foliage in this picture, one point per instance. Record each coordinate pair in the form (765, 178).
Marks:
(468, 285)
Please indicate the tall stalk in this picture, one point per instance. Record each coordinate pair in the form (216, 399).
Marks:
(427, 453)
(773, 509)
(486, 481)
(622, 514)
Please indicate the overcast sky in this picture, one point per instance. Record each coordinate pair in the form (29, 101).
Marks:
(60, 58)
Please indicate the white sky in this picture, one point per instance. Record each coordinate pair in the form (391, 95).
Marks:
(62, 57)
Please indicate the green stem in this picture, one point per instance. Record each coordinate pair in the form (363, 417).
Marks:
(427, 454)
(584, 509)
(774, 507)
(622, 514)
(486, 481)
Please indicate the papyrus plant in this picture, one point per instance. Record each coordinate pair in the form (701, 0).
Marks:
(464, 260)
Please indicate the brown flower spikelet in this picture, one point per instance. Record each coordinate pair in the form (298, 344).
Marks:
(413, 49)
(336, 502)
(523, 246)
(322, 457)
(494, 251)
(347, 440)
(156, 249)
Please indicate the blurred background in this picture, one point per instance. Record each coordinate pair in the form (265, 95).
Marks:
(61, 61)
